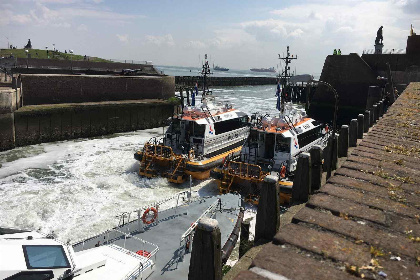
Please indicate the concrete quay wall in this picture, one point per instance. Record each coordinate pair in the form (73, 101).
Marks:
(225, 81)
(55, 89)
(82, 64)
(46, 123)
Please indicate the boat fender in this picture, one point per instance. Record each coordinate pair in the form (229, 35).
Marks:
(144, 218)
(143, 253)
(283, 171)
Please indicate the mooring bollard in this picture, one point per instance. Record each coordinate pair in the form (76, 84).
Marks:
(353, 133)
(381, 108)
(343, 143)
(372, 116)
(316, 170)
(375, 113)
(302, 180)
(268, 214)
(206, 255)
(243, 244)
(366, 121)
(335, 152)
(360, 126)
(327, 156)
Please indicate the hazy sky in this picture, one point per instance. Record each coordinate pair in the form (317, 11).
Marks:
(236, 34)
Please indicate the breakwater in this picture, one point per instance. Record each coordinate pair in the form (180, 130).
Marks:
(190, 81)
(44, 108)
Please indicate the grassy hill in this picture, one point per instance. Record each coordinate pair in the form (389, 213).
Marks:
(36, 53)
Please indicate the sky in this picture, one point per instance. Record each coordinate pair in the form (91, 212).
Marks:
(237, 34)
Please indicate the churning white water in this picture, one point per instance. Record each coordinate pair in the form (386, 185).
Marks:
(76, 188)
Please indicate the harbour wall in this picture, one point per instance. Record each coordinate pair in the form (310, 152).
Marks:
(55, 89)
(80, 64)
(190, 81)
(46, 123)
(352, 76)
(43, 108)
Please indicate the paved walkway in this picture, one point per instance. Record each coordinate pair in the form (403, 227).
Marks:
(364, 222)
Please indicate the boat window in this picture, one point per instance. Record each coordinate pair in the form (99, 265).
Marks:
(253, 136)
(175, 126)
(229, 125)
(282, 144)
(198, 130)
(45, 256)
(309, 136)
(33, 275)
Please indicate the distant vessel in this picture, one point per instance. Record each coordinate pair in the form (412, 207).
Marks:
(218, 68)
(272, 70)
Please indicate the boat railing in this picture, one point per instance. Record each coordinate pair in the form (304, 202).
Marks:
(132, 216)
(145, 252)
(245, 170)
(209, 210)
(159, 150)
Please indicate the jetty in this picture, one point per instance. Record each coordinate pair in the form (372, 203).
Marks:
(364, 221)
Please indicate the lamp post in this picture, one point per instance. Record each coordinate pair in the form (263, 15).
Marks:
(71, 60)
(27, 59)
(46, 48)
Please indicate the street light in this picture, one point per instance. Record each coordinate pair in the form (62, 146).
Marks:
(71, 60)
(46, 48)
(27, 58)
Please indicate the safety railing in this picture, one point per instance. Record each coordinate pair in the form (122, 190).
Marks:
(210, 209)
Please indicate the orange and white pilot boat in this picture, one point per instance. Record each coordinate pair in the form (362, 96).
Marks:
(197, 140)
(272, 148)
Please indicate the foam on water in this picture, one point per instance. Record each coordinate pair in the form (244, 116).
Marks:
(76, 188)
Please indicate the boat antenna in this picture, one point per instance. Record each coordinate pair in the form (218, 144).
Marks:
(284, 77)
(205, 72)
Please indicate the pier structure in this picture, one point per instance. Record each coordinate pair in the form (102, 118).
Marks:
(45, 105)
(353, 76)
(364, 221)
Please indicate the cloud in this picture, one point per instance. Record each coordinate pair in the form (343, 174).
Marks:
(42, 14)
(165, 40)
(82, 28)
(195, 45)
(231, 38)
(122, 37)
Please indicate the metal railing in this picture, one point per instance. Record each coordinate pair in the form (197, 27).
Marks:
(194, 225)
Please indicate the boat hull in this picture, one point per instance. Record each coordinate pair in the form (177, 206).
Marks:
(199, 170)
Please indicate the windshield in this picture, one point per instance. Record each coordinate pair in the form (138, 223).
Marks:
(282, 144)
(45, 256)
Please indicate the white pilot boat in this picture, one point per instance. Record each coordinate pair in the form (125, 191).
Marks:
(128, 251)
(196, 141)
(272, 148)
(32, 255)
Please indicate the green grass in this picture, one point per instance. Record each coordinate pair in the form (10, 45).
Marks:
(42, 54)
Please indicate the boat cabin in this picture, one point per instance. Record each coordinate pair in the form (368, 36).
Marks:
(31, 255)
(207, 130)
(275, 143)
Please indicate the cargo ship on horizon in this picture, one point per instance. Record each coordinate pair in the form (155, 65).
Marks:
(272, 70)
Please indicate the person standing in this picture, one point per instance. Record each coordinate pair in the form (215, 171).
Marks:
(335, 52)
(339, 52)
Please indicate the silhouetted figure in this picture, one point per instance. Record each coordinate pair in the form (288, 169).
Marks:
(29, 44)
(379, 37)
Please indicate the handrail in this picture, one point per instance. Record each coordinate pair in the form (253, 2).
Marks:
(160, 202)
(193, 225)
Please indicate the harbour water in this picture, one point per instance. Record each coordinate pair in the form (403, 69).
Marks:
(76, 188)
